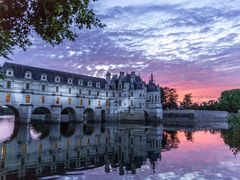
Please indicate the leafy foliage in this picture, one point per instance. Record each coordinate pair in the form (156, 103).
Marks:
(169, 98)
(187, 101)
(52, 20)
(230, 100)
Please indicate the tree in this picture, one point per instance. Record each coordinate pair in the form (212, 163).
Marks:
(52, 20)
(187, 101)
(230, 100)
(169, 98)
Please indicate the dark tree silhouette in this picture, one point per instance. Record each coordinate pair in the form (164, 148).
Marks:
(169, 98)
(187, 101)
(52, 20)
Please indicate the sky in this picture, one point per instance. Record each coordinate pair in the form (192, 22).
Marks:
(190, 45)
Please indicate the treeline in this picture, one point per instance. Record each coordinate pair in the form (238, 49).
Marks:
(228, 101)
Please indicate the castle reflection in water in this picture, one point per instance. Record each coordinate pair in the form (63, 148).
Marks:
(46, 149)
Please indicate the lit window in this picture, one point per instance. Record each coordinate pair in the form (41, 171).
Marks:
(9, 85)
(99, 103)
(107, 103)
(27, 99)
(8, 98)
(42, 99)
(81, 102)
(69, 100)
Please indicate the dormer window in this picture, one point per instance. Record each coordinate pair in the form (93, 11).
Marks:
(57, 79)
(70, 80)
(89, 83)
(98, 85)
(9, 72)
(43, 77)
(107, 86)
(28, 75)
(80, 82)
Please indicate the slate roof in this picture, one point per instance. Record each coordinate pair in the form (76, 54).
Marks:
(152, 87)
(138, 83)
(20, 70)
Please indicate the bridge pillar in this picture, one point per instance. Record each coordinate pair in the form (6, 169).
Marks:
(79, 113)
(56, 113)
(25, 113)
(97, 111)
(55, 132)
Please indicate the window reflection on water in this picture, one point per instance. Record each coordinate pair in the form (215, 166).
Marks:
(40, 149)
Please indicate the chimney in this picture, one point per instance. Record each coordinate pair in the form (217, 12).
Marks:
(132, 76)
(121, 74)
(108, 77)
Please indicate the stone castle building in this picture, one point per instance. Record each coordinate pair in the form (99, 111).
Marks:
(28, 91)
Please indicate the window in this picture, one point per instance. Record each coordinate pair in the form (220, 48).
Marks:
(69, 100)
(120, 103)
(43, 77)
(98, 85)
(57, 79)
(8, 98)
(28, 75)
(57, 89)
(9, 85)
(81, 102)
(113, 94)
(58, 100)
(43, 88)
(27, 99)
(98, 93)
(89, 83)
(80, 91)
(70, 80)
(27, 86)
(99, 103)
(120, 94)
(89, 102)
(9, 72)
(69, 90)
(107, 103)
(131, 94)
(42, 99)
(106, 94)
(107, 86)
(89, 92)
(80, 82)
(131, 102)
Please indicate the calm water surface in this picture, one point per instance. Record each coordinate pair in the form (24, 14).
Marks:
(117, 151)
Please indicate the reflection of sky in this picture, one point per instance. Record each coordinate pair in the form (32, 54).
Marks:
(190, 45)
(207, 157)
(6, 129)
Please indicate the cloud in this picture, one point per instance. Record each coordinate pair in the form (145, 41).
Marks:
(190, 45)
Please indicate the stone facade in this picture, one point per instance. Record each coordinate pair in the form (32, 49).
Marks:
(30, 90)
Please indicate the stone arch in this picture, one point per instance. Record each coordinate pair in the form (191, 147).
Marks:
(88, 129)
(67, 129)
(41, 111)
(89, 115)
(10, 110)
(103, 116)
(41, 128)
(68, 115)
